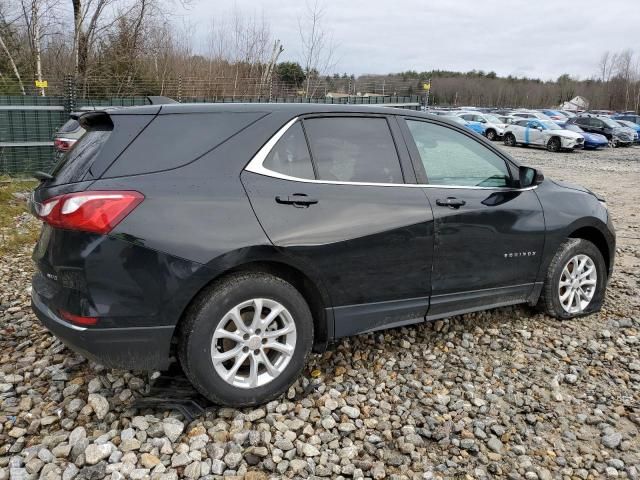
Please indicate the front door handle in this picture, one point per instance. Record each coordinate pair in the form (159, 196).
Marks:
(450, 202)
(297, 200)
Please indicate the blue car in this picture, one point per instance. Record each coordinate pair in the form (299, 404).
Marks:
(591, 140)
(556, 116)
(474, 126)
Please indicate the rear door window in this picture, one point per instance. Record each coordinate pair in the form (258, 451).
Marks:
(354, 149)
(290, 156)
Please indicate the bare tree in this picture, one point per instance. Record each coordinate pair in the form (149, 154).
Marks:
(316, 43)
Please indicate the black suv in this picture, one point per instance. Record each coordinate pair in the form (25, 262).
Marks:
(238, 238)
(604, 126)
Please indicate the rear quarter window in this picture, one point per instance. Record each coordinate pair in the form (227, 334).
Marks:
(173, 140)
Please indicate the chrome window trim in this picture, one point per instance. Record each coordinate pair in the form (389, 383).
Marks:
(255, 165)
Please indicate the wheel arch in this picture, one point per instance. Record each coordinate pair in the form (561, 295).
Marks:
(312, 290)
(595, 236)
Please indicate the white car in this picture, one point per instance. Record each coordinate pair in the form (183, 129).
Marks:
(544, 133)
(493, 125)
(531, 114)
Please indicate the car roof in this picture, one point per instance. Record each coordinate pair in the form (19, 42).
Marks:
(294, 108)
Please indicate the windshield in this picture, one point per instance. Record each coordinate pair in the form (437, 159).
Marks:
(574, 128)
(492, 119)
(549, 125)
(609, 123)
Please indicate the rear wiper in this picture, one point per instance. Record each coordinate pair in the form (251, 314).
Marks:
(42, 176)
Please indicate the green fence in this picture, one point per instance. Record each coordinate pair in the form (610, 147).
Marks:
(28, 123)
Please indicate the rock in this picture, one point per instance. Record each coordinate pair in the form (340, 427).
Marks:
(95, 453)
(99, 404)
(148, 460)
(495, 444)
(309, 450)
(172, 429)
(612, 440)
(351, 412)
(233, 459)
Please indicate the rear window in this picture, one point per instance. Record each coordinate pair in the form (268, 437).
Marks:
(70, 126)
(73, 166)
(354, 149)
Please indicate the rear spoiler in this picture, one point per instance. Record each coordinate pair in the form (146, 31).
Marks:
(92, 121)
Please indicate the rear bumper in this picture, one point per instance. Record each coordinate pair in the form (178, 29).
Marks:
(130, 348)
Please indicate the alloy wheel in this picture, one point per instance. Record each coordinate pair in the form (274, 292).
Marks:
(577, 285)
(253, 343)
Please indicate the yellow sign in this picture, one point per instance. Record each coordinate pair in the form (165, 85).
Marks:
(426, 86)
(42, 84)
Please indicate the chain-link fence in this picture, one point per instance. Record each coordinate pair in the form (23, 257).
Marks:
(28, 123)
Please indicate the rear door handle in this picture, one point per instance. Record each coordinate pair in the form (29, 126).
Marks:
(450, 202)
(297, 200)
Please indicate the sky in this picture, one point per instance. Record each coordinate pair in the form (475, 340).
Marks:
(534, 38)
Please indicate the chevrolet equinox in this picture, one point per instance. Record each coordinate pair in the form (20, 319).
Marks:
(238, 238)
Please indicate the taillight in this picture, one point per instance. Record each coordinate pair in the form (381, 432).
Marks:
(91, 211)
(63, 144)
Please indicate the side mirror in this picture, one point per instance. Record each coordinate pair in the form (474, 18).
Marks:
(530, 177)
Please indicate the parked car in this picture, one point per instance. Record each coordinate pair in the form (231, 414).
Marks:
(616, 134)
(628, 117)
(473, 126)
(555, 115)
(543, 133)
(567, 113)
(67, 135)
(494, 128)
(591, 140)
(531, 114)
(634, 128)
(508, 119)
(264, 231)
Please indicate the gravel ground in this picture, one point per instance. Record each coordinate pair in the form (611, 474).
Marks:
(506, 393)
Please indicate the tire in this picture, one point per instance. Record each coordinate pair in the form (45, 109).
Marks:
(550, 300)
(510, 140)
(209, 323)
(491, 135)
(554, 144)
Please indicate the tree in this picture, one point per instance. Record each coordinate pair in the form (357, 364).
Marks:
(317, 47)
(290, 73)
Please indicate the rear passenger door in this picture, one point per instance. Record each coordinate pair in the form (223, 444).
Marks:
(331, 194)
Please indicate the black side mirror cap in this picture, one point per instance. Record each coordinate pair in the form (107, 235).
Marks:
(530, 177)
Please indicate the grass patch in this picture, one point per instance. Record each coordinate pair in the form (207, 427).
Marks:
(17, 230)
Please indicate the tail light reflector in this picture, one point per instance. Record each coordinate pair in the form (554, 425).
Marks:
(77, 319)
(90, 211)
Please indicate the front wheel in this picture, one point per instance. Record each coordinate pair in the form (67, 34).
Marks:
(510, 140)
(576, 280)
(246, 339)
(554, 145)
(491, 135)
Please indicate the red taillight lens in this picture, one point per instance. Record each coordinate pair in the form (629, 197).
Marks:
(91, 211)
(63, 144)
(77, 319)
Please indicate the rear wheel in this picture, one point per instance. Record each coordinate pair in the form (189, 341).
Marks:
(576, 280)
(510, 140)
(246, 339)
(554, 144)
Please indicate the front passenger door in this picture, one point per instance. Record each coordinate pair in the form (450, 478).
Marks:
(488, 235)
